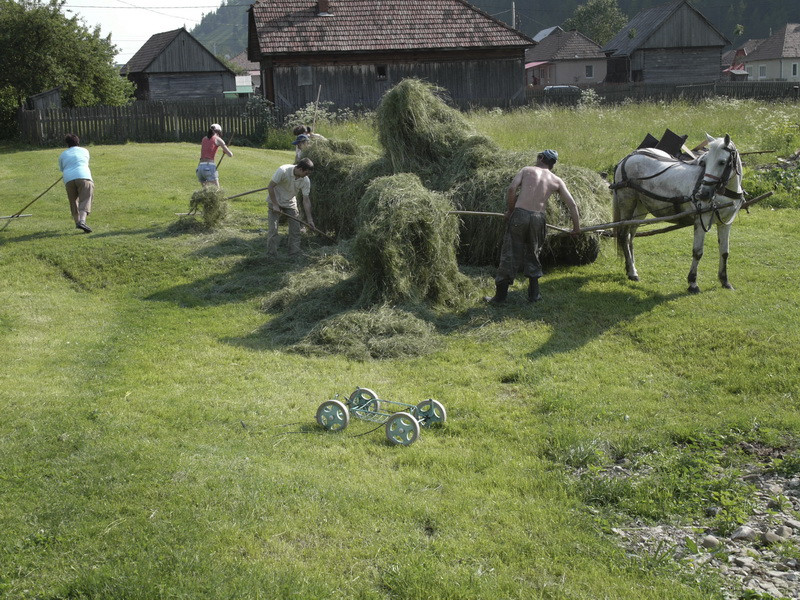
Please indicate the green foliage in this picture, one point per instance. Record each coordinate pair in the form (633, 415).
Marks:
(782, 181)
(788, 466)
(211, 203)
(267, 128)
(599, 20)
(49, 50)
(314, 114)
(224, 30)
(678, 483)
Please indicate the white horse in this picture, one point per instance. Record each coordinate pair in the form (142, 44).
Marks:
(652, 181)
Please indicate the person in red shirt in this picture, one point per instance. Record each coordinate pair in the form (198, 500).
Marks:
(207, 169)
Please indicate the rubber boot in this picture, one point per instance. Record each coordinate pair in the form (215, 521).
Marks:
(500, 293)
(533, 290)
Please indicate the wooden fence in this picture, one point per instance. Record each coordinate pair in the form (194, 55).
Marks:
(615, 93)
(185, 121)
(188, 121)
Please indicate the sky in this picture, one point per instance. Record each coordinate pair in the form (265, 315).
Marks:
(132, 22)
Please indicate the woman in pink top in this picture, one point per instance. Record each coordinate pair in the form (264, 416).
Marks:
(207, 169)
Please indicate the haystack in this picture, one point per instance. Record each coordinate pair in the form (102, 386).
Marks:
(406, 242)
(421, 134)
(341, 175)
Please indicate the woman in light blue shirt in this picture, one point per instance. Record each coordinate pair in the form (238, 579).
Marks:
(74, 165)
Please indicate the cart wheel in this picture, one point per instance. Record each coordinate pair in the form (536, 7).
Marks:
(361, 397)
(402, 429)
(333, 415)
(430, 412)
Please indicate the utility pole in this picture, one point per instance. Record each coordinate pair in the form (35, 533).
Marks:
(514, 15)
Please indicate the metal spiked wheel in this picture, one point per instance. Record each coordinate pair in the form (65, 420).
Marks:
(402, 429)
(431, 412)
(333, 415)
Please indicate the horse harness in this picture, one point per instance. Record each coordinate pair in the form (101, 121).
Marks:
(678, 200)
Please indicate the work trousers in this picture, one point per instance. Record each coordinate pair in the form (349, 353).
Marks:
(522, 244)
(79, 194)
(294, 231)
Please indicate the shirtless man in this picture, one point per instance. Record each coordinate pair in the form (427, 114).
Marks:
(525, 229)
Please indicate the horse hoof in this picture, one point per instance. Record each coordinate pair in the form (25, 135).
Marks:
(727, 286)
(633, 277)
(693, 289)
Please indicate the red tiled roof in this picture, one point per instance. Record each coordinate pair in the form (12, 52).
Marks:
(294, 26)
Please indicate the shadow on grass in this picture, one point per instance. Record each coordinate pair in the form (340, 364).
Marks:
(577, 316)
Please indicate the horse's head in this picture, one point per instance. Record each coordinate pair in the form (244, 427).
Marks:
(723, 168)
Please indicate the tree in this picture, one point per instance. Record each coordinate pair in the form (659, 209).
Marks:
(599, 20)
(45, 49)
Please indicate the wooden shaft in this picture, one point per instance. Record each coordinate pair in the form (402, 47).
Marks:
(246, 193)
(309, 225)
(19, 212)
(628, 222)
(233, 135)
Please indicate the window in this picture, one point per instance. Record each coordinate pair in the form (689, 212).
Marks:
(304, 76)
(589, 71)
(380, 72)
(794, 69)
(762, 71)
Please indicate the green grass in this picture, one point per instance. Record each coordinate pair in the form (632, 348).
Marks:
(158, 442)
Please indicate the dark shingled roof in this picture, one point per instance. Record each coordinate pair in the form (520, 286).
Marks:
(148, 53)
(564, 45)
(645, 24)
(294, 26)
(783, 44)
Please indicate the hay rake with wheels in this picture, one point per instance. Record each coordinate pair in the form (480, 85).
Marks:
(402, 421)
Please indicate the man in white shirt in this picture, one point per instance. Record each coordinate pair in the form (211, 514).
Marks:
(282, 197)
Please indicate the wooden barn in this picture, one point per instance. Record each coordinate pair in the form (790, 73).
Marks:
(670, 43)
(351, 52)
(174, 66)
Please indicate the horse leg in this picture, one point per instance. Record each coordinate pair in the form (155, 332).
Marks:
(624, 207)
(723, 236)
(697, 254)
(630, 264)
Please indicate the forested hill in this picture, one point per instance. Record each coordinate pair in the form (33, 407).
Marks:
(224, 31)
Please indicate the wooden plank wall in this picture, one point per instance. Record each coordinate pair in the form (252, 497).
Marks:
(139, 122)
(492, 82)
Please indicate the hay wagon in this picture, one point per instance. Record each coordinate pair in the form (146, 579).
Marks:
(402, 421)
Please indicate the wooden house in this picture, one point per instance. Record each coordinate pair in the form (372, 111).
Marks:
(777, 58)
(733, 61)
(565, 58)
(350, 52)
(670, 43)
(174, 66)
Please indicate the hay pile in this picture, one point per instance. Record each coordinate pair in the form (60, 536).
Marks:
(405, 246)
(420, 134)
(397, 239)
(209, 202)
(341, 175)
(322, 314)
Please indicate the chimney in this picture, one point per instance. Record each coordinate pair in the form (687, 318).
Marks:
(322, 7)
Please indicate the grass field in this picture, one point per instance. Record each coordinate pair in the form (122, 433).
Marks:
(157, 442)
